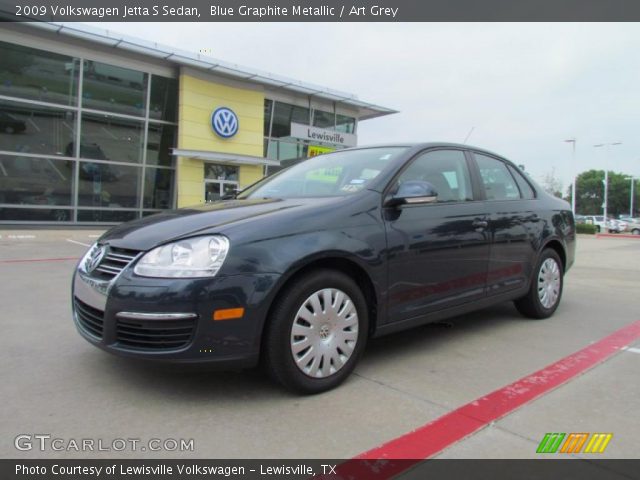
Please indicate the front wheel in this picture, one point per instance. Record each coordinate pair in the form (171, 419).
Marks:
(316, 332)
(635, 231)
(546, 287)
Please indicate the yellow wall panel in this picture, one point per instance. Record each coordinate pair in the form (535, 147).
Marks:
(204, 102)
(200, 121)
(198, 99)
(206, 87)
(203, 132)
(250, 174)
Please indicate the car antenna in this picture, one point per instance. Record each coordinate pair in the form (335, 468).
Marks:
(468, 135)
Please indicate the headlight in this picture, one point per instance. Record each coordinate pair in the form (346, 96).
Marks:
(189, 258)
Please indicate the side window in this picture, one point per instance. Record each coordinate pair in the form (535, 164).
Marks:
(525, 189)
(446, 170)
(498, 182)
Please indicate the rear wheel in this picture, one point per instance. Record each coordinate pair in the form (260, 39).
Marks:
(546, 287)
(636, 231)
(317, 332)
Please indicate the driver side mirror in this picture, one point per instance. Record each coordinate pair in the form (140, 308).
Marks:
(413, 192)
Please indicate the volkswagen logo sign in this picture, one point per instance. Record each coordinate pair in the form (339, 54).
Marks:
(224, 122)
(94, 258)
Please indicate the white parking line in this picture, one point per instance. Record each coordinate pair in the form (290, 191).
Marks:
(78, 243)
(631, 349)
(21, 237)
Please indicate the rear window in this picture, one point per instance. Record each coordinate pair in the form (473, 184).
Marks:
(525, 189)
(498, 182)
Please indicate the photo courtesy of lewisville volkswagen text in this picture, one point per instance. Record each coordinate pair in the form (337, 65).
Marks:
(328, 239)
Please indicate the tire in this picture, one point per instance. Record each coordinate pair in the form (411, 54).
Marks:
(635, 231)
(330, 336)
(550, 271)
(9, 129)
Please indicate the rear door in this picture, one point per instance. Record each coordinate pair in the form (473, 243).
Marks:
(513, 223)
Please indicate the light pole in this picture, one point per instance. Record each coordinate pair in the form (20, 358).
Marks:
(573, 174)
(633, 181)
(606, 178)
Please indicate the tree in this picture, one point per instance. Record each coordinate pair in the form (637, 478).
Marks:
(552, 184)
(590, 193)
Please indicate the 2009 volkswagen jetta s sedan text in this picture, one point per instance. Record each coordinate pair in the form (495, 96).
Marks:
(301, 268)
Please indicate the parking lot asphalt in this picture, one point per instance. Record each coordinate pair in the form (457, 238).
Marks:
(55, 383)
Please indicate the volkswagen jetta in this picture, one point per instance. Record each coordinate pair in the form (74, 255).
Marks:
(301, 268)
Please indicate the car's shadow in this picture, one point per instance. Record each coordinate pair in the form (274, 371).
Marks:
(200, 383)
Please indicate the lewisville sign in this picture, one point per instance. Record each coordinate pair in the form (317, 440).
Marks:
(315, 134)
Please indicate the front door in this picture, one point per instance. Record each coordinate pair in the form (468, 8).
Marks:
(437, 252)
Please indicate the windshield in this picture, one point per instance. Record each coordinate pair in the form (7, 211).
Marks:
(335, 174)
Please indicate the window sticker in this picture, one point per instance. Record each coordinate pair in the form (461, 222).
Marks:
(351, 188)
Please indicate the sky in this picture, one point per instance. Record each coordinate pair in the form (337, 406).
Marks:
(523, 88)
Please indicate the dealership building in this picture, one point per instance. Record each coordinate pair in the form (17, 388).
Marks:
(97, 127)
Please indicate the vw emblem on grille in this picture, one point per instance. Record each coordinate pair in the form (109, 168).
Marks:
(224, 122)
(94, 259)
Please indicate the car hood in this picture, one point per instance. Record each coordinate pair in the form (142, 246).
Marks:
(216, 217)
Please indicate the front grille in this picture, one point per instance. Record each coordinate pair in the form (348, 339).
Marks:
(90, 319)
(154, 334)
(114, 261)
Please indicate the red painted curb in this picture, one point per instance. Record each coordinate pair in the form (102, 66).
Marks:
(27, 260)
(617, 235)
(403, 452)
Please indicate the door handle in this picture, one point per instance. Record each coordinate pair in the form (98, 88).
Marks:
(479, 224)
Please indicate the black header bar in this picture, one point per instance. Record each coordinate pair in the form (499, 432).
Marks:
(383, 469)
(321, 10)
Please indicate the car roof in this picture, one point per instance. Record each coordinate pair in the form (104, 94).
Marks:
(425, 145)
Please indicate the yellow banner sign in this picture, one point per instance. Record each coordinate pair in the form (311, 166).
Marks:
(315, 150)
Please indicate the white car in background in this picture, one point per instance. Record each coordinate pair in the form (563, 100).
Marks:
(612, 226)
(619, 226)
(633, 225)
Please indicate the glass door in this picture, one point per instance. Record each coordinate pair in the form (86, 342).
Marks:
(219, 180)
(215, 189)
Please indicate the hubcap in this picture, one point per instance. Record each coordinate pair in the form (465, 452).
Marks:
(549, 283)
(324, 333)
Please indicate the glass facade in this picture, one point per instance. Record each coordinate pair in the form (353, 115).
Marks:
(278, 143)
(81, 140)
(84, 141)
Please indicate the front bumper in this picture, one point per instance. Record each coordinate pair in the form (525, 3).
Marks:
(172, 319)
